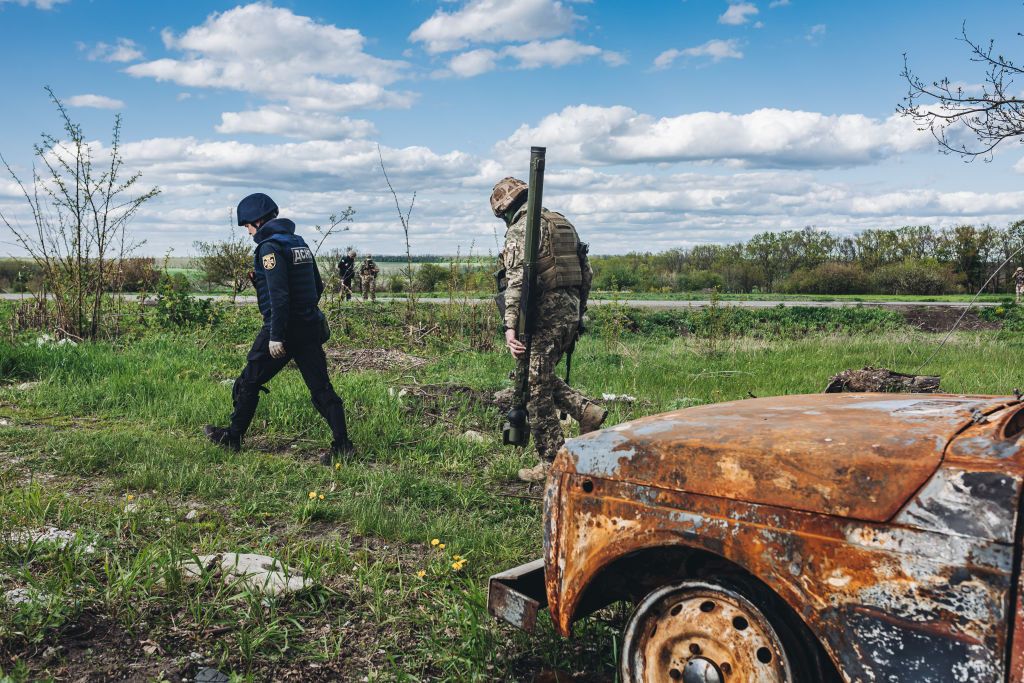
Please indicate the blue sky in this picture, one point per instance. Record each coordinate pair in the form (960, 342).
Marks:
(668, 123)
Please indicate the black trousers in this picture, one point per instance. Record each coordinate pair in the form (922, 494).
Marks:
(303, 344)
(347, 282)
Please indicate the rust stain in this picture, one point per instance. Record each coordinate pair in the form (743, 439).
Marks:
(855, 455)
(885, 522)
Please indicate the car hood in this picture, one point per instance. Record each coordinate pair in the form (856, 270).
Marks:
(854, 455)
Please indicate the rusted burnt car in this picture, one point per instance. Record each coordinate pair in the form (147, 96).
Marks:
(839, 537)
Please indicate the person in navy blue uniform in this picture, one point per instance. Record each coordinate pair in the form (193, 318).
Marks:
(347, 270)
(288, 288)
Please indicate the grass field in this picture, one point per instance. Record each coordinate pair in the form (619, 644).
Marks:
(104, 440)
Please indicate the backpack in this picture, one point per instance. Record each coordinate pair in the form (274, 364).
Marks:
(558, 258)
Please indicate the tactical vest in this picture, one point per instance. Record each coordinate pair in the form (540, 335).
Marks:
(302, 289)
(558, 259)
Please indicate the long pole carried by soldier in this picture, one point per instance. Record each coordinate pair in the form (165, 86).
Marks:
(548, 279)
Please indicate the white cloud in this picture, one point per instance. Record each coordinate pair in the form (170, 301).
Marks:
(533, 55)
(294, 124)
(302, 67)
(765, 137)
(94, 101)
(494, 21)
(816, 33)
(295, 166)
(38, 4)
(473, 63)
(615, 208)
(738, 13)
(555, 53)
(716, 50)
(665, 59)
(124, 50)
(778, 3)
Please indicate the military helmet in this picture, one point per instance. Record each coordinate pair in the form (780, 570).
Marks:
(505, 193)
(255, 207)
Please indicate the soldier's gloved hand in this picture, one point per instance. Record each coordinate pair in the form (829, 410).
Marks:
(277, 349)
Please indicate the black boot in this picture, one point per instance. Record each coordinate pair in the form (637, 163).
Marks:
(223, 437)
(341, 450)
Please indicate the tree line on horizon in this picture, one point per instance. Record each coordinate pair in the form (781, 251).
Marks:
(912, 260)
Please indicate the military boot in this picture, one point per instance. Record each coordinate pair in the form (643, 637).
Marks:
(223, 437)
(340, 450)
(592, 419)
(537, 473)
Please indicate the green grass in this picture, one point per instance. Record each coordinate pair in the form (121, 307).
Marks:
(107, 421)
(986, 298)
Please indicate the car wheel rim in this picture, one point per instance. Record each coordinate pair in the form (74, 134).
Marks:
(701, 633)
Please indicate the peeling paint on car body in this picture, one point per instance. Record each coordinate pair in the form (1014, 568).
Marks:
(887, 523)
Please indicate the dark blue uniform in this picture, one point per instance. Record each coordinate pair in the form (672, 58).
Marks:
(288, 288)
(347, 269)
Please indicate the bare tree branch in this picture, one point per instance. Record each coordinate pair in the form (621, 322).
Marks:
(990, 113)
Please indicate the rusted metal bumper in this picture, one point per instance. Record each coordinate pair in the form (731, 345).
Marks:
(516, 595)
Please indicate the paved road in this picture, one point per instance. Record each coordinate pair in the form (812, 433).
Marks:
(641, 303)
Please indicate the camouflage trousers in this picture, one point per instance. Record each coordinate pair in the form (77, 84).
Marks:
(369, 284)
(557, 323)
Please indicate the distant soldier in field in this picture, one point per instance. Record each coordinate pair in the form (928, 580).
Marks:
(368, 273)
(1018, 281)
(563, 277)
(346, 271)
(288, 289)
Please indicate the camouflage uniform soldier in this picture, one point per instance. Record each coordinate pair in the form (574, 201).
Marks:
(563, 277)
(1018, 281)
(368, 272)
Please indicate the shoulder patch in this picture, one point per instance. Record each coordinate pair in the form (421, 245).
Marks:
(301, 255)
(269, 261)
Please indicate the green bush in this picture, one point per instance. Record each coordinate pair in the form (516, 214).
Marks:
(733, 321)
(138, 275)
(697, 280)
(914, 277)
(431, 277)
(828, 278)
(19, 275)
(396, 284)
(175, 307)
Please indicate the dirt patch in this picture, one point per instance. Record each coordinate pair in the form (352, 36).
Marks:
(379, 360)
(448, 402)
(942, 319)
(96, 648)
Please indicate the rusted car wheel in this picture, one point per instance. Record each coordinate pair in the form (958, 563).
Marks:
(697, 632)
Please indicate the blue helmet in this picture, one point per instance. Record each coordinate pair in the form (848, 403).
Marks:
(255, 207)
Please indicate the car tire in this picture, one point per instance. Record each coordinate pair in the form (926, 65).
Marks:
(703, 632)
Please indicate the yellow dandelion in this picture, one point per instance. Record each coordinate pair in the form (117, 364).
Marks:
(456, 566)
(312, 495)
(129, 497)
(435, 541)
(457, 558)
(421, 573)
(321, 496)
(337, 465)
(441, 546)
